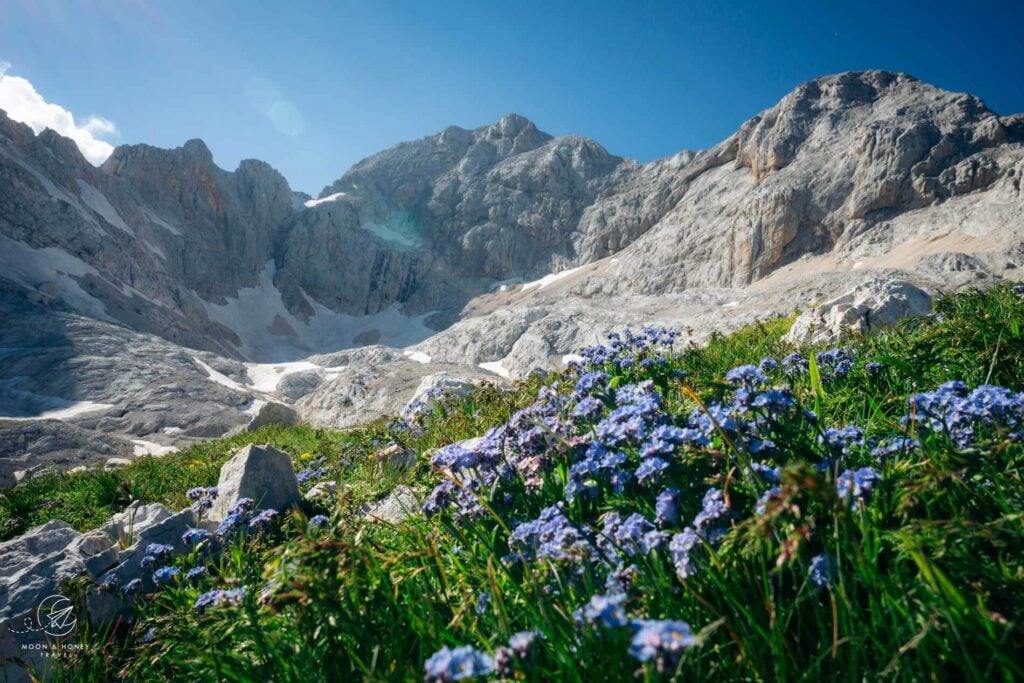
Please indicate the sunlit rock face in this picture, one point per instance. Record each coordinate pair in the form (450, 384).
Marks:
(159, 299)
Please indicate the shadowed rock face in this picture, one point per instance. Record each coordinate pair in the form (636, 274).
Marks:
(137, 295)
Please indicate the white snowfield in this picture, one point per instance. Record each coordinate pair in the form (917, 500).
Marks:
(143, 447)
(69, 410)
(550, 279)
(310, 203)
(270, 334)
(220, 378)
(497, 368)
(417, 356)
(266, 376)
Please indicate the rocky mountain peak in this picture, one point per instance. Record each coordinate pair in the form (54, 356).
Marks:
(518, 129)
(196, 148)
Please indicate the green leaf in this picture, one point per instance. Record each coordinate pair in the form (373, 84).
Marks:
(819, 390)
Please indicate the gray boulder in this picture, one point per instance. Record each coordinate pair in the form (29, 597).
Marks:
(432, 387)
(396, 456)
(35, 566)
(32, 568)
(269, 413)
(262, 473)
(868, 307)
(168, 531)
(124, 526)
(322, 489)
(395, 507)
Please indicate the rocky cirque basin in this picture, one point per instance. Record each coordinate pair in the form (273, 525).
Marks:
(158, 299)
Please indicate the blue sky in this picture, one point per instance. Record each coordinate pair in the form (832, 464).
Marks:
(314, 87)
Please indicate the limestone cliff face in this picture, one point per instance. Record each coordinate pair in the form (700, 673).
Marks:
(838, 161)
(444, 217)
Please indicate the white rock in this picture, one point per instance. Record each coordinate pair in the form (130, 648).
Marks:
(396, 456)
(875, 304)
(136, 518)
(262, 473)
(395, 507)
(114, 463)
(321, 490)
(422, 398)
(32, 567)
(268, 413)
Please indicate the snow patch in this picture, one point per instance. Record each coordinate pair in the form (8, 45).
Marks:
(505, 285)
(399, 234)
(497, 368)
(252, 313)
(155, 250)
(333, 373)
(162, 223)
(99, 203)
(25, 405)
(550, 279)
(310, 203)
(219, 377)
(572, 358)
(731, 304)
(265, 376)
(253, 407)
(417, 356)
(51, 271)
(143, 447)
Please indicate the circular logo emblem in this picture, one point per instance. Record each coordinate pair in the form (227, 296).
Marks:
(56, 616)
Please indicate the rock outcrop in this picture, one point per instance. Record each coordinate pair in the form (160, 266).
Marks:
(261, 473)
(869, 307)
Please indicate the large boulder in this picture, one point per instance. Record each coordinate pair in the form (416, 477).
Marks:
(125, 526)
(432, 387)
(396, 456)
(33, 568)
(872, 305)
(268, 413)
(394, 507)
(262, 473)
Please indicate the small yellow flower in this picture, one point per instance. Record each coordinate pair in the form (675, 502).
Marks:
(305, 456)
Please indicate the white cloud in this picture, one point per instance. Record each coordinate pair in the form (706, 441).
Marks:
(22, 103)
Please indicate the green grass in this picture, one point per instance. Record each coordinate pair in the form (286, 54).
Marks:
(929, 579)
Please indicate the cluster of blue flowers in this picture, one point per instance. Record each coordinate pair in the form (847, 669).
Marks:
(619, 438)
(835, 363)
(457, 664)
(202, 497)
(240, 516)
(964, 415)
(661, 642)
(551, 536)
(625, 349)
(856, 485)
(313, 472)
(658, 641)
(219, 597)
(465, 662)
